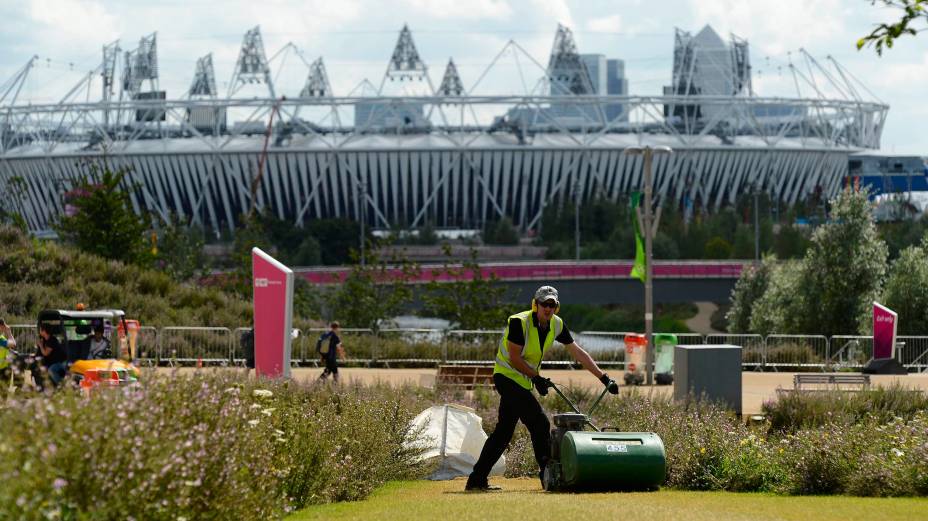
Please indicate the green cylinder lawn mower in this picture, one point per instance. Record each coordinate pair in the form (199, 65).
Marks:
(601, 459)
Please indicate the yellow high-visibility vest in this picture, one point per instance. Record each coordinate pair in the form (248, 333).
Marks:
(532, 351)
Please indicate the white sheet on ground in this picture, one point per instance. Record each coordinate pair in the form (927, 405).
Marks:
(454, 434)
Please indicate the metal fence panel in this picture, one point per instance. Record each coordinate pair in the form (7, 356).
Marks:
(606, 347)
(849, 352)
(409, 345)
(209, 345)
(797, 352)
(471, 346)
(687, 338)
(146, 345)
(26, 336)
(753, 355)
(913, 353)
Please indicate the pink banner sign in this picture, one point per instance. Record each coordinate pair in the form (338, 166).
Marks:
(884, 332)
(273, 310)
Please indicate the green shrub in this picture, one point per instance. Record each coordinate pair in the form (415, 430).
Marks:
(792, 412)
(717, 248)
(37, 275)
(200, 447)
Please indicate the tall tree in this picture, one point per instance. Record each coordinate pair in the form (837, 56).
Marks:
(372, 293)
(468, 303)
(100, 219)
(906, 290)
(831, 289)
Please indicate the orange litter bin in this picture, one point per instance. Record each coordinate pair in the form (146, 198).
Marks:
(635, 345)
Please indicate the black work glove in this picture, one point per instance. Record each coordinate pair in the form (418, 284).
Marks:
(609, 383)
(541, 384)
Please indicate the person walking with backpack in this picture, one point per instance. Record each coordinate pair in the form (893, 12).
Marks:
(329, 347)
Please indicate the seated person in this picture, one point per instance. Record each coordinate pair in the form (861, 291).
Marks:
(54, 357)
(99, 345)
(8, 334)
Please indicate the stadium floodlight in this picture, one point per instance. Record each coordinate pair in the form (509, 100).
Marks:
(645, 219)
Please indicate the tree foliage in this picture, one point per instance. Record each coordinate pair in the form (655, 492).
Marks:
(830, 290)
(180, 251)
(751, 285)
(501, 232)
(102, 221)
(885, 35)
(844, 268)
(906, 290)
(373, 292)
(475, 303)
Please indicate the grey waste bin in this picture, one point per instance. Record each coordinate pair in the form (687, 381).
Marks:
(711, 372)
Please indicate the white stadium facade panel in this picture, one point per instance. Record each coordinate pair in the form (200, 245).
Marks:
(409, 187)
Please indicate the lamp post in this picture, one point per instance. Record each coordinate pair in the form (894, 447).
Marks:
(646, 221)
(756, 225)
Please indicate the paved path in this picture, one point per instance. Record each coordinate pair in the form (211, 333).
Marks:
(702, 322)
(756, 387)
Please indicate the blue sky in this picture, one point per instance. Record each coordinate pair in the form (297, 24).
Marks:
(355, 38)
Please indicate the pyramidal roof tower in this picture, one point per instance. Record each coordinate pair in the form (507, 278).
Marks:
(567, 74)
(405, 62)
(317, 83)
(451, 84)
(251, 65)
(204, 79)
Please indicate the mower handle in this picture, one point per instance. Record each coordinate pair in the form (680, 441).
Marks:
(576, 409)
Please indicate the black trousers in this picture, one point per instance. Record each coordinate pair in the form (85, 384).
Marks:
(515, 403)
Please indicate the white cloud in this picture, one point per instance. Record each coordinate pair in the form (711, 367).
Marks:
(556, 10)
(775, 27)
(64, 20)
(605, 24)
(469, 10)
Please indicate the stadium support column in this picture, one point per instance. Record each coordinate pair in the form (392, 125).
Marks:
(647, 220)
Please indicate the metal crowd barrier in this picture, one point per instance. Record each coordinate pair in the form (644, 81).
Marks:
(753, 348)
(850, 352)
(220, 345)
(474, 346)
(797, 352)
(195, 345)
(146, 346)
(912, 352)
(408, 345)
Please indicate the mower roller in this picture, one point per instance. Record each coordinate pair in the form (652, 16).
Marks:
(601, 459)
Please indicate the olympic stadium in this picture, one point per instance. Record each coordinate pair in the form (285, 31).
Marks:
(411, 150)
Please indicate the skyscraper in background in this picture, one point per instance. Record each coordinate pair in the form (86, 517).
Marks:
(616, 85)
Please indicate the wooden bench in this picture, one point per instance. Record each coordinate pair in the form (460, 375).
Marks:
(831, 382)
(465, 376)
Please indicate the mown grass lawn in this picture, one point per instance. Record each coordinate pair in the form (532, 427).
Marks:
(523, 499)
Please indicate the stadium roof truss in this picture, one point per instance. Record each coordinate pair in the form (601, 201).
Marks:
(463, 159)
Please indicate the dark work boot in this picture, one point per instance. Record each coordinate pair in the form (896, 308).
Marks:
(478, 485)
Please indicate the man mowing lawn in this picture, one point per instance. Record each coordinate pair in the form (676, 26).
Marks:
(518, 362)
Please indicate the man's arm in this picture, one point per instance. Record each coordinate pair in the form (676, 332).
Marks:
(46, 351)
(518, 363)
(585, 359)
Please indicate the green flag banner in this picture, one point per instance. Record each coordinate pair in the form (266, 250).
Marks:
(639, 269)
